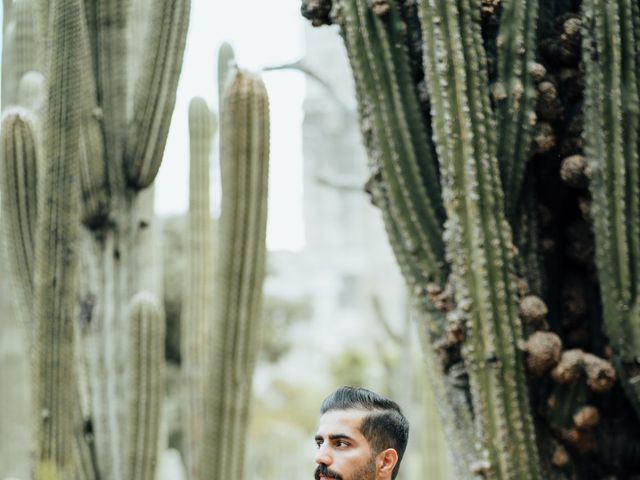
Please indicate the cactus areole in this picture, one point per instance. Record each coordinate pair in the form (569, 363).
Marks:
(503, 144)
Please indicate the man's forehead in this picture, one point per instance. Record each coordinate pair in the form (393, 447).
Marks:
(349, 421)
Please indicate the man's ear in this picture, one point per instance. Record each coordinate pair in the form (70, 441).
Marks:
(387, 460)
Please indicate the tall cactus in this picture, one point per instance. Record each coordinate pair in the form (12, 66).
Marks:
(197, 323)
(120, 149)
(498, 86)
(239, 273)
(57, 253)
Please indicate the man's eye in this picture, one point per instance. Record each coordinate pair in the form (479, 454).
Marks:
(341, 443)
(318, 443)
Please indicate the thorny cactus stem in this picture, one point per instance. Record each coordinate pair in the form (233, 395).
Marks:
(146, 384)
(57, 251)
(197, 321)
(240, 272)
(612, 108)
(478, 238)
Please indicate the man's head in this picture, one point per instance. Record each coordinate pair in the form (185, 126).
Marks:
(361, 436)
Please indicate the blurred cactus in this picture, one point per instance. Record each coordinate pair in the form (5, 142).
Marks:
(226, 67)
(240, 268)
(473, 117)
(118, 149)
(19, 197)
(146, 385)
(198, 307)
(57, 252)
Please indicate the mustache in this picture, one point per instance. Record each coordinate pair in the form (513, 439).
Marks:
(323, 471)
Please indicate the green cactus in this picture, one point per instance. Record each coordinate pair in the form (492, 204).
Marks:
(120, 149)
(57, 251)
(611, 132)
(19, 174)
(239, 273)
(146, 384)
(499, 87)
(198, 307)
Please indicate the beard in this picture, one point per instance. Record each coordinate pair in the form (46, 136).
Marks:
(366, 472)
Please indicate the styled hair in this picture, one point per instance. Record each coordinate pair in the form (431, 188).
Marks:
(384, 426)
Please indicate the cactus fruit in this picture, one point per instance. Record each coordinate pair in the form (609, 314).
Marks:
(197, 319)
(146, 384)
(239, 273)
(532, 179)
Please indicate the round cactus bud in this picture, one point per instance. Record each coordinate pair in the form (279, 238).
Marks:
(560, 458)
(544, 138)
(600, 373)
(380, 7)
(537, 71)
(575, 172)
(569, 368)
(587, 418)
(581, 441)
(533, 310)
(543, 352)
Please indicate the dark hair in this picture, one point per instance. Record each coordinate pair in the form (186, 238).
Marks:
(384, 427)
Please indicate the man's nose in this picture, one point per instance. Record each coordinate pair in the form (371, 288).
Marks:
(323, 456)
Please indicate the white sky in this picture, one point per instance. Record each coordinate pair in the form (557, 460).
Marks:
(262, 33)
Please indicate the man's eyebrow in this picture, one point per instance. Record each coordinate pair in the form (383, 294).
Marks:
(335, 436)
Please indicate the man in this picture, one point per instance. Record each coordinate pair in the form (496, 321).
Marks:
(361, 436)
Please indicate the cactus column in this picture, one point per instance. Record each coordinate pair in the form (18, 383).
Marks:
(197, 321)
(57, 253)
(240, 272)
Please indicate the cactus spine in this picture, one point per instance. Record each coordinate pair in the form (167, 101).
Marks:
(146, 384)
(240, 271)
(57, 252)
(197, 321)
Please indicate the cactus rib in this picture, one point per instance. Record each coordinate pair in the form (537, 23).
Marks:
(156, 92)
(517, 52)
